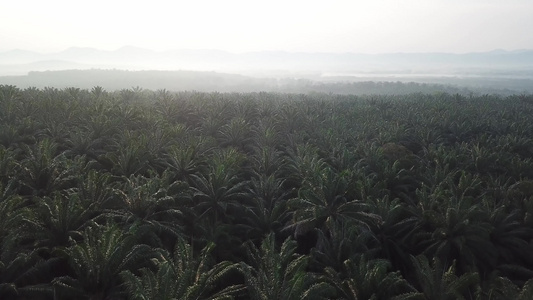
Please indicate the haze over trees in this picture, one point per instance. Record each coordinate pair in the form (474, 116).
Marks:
(483, 72)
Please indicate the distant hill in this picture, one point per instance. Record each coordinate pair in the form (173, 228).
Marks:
(121, 79)
(224, 82)
(495, 63)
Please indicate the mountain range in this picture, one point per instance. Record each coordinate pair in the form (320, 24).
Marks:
(499, 63)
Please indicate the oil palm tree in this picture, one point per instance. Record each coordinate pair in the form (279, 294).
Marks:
(438, 282)
(7, 164)
(334, 247)
(183, 275)
(97, 92)
(131, 155)
(267, 161)
(460, 236)
(370, 279)
(81, 141)
(96, 187)
(266, 206)
(266, 134)
(395, 234)
(325, 203)
(217, 198)
(9, 93)
(151, 206)
(44, 171)
(236, 133)
(96, 262)
(185, 161)
(510, 235)
(501, 288)
(215, 192)
(303, 165)
(13, 208)
(278, 273)
(25, 274)
(56, 220)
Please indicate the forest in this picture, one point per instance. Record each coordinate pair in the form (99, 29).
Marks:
(152, 194)
(363, 84)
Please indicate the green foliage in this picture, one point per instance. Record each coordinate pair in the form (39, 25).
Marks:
(183, 275)
(97, 261)
(58, 219)
(278, 273)
(107, 194)
(438, 282)
(323, 203)
(150, 206)
(370, 279)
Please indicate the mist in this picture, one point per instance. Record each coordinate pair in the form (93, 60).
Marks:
(207, 70)
(475, 44)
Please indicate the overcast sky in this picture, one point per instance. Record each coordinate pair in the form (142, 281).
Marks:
(363, 26)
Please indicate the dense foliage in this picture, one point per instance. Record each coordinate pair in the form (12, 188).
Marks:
(137, 194)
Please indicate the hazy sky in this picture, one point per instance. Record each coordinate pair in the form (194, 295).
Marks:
(365, 26)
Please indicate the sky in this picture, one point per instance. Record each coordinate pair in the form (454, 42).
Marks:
(360, 26)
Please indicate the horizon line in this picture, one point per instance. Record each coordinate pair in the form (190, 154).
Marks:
(4, 51)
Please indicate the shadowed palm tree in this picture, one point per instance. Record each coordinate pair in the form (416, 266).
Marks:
(324, 203)
(304, 165)
(501, 288)
(151, 206)
(342, 243)
(43, 172)
(183, 275)
(82, 142)
(459, 235)
(185, 161)
(396, 232)
(266, 161)
(96, 187)
(370, 279)
(215, 192)
(279, 273)
(510, 235)
(162, 137)
(97, 261)
(131, 156)
(58, 219)
(236, 134)
(25, 275)
(437, 282)
(290, 118)
(12, 210)
(7, 164)
(266, 206)
(266, 135)
(217, 198)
